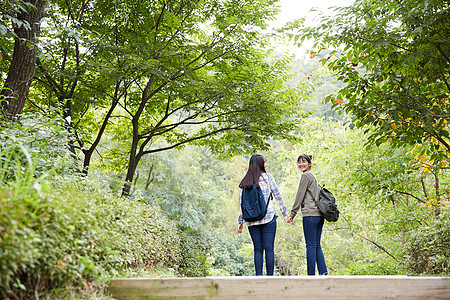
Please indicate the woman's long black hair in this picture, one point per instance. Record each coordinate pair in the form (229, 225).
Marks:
(255, 169)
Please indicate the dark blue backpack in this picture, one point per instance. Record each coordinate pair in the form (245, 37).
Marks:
(253, 205)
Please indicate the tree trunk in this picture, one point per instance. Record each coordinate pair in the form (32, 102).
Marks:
(150, 177)
(130, 174)
(132, 164)
(86, 162)
(21, 70)
(437, 208)
(88, 152)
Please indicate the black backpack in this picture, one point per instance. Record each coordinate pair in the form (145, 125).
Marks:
(253, 205)
(326, 205)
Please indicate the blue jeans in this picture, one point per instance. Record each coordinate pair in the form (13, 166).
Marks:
(263, 237)
(312, 228)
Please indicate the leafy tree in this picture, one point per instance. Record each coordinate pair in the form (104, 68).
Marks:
(76, 72)
(25, 19)
(395, 64)
(196, 65)
(167, 66)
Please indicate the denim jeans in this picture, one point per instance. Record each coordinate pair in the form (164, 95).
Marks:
(263, 237)
(312, 228)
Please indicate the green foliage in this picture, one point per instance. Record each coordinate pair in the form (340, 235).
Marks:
(66, 237)
(56, 230)
(225, 251)
(394, 62)
(33, 149)
(8, 21)
(194, 262)
(8, 14)
(319, 82)
(428, 248)
(382, 193)
(190, 187)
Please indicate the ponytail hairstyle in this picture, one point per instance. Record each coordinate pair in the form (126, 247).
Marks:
(306, 157)
(255, 169)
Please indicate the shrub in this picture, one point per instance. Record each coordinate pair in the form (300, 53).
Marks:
(194, 261)
(427, 251)
(76, 234)
(208, 251)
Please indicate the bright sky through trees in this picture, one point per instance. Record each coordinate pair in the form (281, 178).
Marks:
(295, 9)
(292, 9)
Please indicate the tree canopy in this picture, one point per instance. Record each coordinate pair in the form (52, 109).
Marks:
(393, 57)
(199, 72)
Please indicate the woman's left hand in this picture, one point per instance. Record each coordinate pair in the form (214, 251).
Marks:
(288, 219)
(239, 229)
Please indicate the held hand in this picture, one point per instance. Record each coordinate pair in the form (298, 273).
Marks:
(288, 219)
(239, 229)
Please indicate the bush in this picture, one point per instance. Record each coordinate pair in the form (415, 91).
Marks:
(427, 251)
(76, 234)
(215, 253)
(194, 261)
(71, 232)
(226, 251)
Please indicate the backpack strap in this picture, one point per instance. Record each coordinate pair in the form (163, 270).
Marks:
(270, 196)
(309, 192)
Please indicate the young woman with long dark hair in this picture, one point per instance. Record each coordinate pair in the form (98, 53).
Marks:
(262, 231)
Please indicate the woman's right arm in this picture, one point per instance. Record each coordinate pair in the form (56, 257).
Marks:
(240, 218)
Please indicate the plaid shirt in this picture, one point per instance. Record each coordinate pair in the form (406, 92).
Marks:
(267, 184)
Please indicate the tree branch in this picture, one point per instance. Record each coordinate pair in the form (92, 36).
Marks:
(409, 194)
(446, 82)
(442, 52)
(424, 187)
(50, 79)
(419, 103)
(158, 22)
(189, 140)
(436, 136)
(369, 240)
